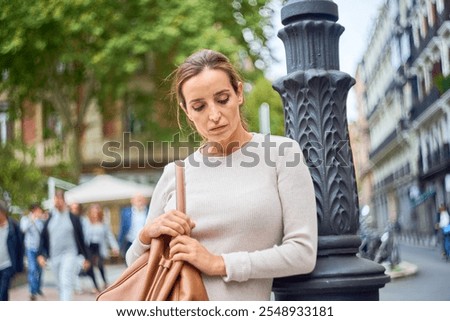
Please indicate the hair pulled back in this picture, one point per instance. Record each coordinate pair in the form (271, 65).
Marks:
(195, 64)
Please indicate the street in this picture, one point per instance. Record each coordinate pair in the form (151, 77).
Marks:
(20, 293)
(430, 283)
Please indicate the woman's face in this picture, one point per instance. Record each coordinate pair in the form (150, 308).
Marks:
(213, 106)
(95, 214)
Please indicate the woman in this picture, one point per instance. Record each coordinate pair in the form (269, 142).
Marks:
(31, 226)
(251, 213)
(443, 221)
(11, 251)
(99, 238)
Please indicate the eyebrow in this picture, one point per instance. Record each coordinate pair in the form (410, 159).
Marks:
(224, 91)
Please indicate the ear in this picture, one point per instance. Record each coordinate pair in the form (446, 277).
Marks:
(185, 111)
(240, 93)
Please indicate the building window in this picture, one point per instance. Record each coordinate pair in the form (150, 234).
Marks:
(433, 14)
(4, 126)
(405, 48)
(428, 81)
(440, 5)
(422, 88)
(395, 53)
(52, 123)
(424, 26)
(414, 87)
(436, 71)
(132, 123)
(416, 36)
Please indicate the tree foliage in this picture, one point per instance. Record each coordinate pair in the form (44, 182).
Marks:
(20, 180)
(73, 53)
(262, 92)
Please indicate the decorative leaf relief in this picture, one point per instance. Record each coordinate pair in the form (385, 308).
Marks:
(313, 114)
(340, 222)
(318, 187)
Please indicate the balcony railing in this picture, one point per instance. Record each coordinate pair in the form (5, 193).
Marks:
(420, 107)
(432, 31)
(436, 161)
(390, 138)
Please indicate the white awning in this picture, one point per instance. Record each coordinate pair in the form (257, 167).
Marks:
(106, 188)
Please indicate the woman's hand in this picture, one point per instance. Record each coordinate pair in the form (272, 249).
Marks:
(185, 248)
(172, 223)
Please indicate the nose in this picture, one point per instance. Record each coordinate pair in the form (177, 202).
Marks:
(214, 114)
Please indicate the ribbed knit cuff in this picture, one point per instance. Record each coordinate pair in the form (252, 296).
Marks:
(136, 249)
(237, 266)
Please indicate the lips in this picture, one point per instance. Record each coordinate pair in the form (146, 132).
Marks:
(217, 128)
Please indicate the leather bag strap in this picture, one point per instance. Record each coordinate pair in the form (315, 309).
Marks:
(168, 269)
(180, 189)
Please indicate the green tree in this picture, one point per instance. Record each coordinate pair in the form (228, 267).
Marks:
(19, 178)
(74, 53)
(262, 92)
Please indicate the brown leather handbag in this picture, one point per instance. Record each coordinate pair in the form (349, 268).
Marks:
(154, 276)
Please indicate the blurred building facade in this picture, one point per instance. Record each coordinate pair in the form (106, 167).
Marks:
(403, 127)
(104, 141)
(39, 127)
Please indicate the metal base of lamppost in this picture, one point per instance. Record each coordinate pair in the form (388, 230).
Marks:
(335, 278)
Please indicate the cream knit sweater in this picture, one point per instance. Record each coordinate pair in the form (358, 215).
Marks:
(255, 207)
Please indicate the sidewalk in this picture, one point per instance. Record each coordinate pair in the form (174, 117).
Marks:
(403, 269)
(21, 292)
(113, 271)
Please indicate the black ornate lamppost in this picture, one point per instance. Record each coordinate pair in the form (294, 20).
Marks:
(314, 95)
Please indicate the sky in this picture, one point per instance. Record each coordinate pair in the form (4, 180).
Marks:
(357, 17)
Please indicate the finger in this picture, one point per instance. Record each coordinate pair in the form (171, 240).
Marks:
(183, 222)
(182, 249)
(182, 215)
(191, 224)
(180, 239)
(166, 230)
(181, 257)
(179, 225)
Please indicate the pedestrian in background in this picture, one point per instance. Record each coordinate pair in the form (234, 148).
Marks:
(11, 251)
(132, 219)
(442, 222)
(77, 209)
(31, 226)
(100, 240)
(62, 241)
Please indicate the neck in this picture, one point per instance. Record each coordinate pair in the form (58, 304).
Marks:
(227, 147)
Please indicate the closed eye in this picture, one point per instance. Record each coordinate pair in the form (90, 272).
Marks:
(224, 101)
(199, 108)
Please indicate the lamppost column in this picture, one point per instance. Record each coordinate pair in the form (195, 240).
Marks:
(314, 94)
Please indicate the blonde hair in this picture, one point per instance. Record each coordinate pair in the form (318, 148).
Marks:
(194, 65)
(100, 213)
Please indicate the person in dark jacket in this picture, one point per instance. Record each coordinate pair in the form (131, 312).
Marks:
(62, 242)
(11, 251)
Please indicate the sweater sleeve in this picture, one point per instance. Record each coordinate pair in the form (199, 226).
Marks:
(297, 252)
(165, 185)
(25, 224)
